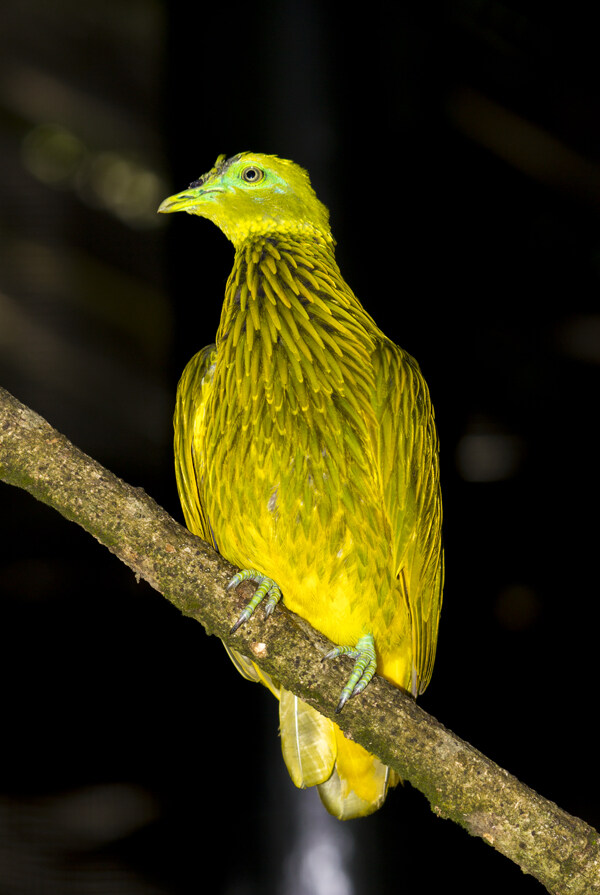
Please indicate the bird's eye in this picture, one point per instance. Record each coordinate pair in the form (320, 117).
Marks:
(251, 174)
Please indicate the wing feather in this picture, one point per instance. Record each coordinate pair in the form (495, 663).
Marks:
(407, 456)
(190, 467)
(190, 411)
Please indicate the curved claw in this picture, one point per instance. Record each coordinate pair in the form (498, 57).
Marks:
(364, 667)
(266, 588)
(243, 617)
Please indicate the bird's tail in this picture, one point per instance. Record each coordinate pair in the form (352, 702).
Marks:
(351, 782)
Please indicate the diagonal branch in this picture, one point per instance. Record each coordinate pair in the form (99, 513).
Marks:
(561, 851)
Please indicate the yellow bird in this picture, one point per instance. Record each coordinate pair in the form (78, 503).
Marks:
(306, 453)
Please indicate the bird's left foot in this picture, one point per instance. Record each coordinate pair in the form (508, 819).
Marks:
(364, 667)
(266, 588)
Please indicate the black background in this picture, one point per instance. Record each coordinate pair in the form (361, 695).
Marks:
(456, 145)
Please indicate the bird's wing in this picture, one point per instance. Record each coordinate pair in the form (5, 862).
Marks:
(407, 458)
(190, 410)
(189, 424)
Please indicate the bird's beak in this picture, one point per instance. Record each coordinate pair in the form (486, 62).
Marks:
(188, 200)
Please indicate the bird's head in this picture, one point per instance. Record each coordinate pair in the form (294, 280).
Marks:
(254, 194)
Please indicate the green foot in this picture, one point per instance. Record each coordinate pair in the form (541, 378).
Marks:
(364, 667)
(266, 588)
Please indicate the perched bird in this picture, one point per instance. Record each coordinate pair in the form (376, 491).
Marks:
(306, 453)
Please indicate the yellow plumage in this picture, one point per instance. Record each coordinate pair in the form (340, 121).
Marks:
(306, 448)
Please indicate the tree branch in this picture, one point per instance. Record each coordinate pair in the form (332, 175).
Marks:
(561, 851)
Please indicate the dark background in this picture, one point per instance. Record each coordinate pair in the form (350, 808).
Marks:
(456, 145)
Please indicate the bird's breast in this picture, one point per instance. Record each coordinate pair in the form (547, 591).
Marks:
(294, 492)
(292, 486)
